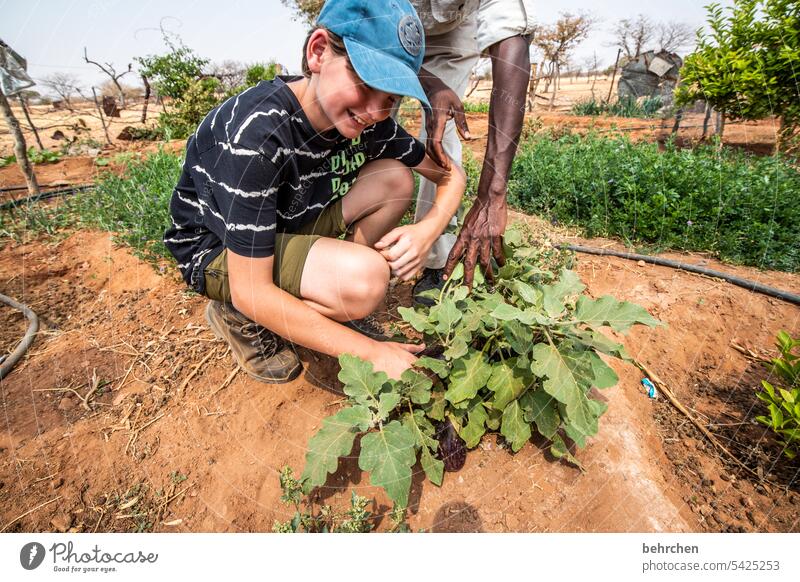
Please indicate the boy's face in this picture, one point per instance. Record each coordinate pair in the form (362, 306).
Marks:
(349, 104)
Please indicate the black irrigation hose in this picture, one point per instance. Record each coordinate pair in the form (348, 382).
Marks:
(745, 283)
(27, 339)
(12, 204)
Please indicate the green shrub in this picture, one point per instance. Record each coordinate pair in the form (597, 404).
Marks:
(34, 156)
(782, 397)
(476, 107)
(200, 97)
(625, 107)
(744, 208)
(134, 205)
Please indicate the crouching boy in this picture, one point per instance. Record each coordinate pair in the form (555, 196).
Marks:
(286, 213)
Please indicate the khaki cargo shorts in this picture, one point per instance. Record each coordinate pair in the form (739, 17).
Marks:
(291, 252)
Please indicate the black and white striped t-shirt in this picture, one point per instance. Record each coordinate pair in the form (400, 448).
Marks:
(255, 166)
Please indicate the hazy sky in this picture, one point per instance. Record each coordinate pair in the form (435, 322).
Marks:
(51, 34)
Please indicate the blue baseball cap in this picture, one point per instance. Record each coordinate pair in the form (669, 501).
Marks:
(385, 42)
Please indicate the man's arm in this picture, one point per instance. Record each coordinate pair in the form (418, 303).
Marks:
(445, 105)
(481, 236)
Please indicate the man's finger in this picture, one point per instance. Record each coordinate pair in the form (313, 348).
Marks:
(414, 349)
(389, 238)
(455, 256)
(469, 263)
(485, 258)
(497, 250)
(461, 122)
(436, 152)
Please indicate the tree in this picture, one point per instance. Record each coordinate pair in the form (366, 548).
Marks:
(632, 35)
(674, 36)
(747, 67)
(109, 70)
(65, 85)
(307, 10)
(171, 74)
(557, 42)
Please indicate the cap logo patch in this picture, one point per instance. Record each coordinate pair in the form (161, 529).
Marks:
(410, 32)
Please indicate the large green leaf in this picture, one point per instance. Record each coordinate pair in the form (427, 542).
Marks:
(554, 295)
(468, 376)
(506, 382)
(360, 381)
(446, 314)
(560, 379)
(417, 320)
(620, 315)
(388, 454)
(476, 427)
(514, 428)
(459, 346)
(416, 386)
(540, 408)
(518, 335)
(438, 367)
(333, 440)
(597, 341)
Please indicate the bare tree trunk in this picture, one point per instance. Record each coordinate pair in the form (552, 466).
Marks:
(146, 98)
(719, 125)
(102, 119)
(20, 149)
(557, 73)
(30, 122)
(706, 119)
(613, 75)
(678, 119)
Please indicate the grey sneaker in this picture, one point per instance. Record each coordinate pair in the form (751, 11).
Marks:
(431, 279)
(261, 353)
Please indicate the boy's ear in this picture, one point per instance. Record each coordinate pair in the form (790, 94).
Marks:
(317, 44)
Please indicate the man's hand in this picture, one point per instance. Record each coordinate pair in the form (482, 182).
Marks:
(445, 105)
(481, 236)
(394, 358)
(480, 239)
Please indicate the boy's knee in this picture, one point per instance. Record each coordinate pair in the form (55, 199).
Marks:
(366, 279)
(399, 180)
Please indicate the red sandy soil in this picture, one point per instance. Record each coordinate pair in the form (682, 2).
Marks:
(107, 315)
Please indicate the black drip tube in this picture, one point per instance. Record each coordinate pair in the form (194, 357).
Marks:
(745, 283)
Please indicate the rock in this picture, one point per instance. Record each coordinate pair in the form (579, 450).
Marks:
(751, 517)
(746, 502)
(705, 510)
(724, 477)
(708, 482)
(66, 403)
(56, 483)
(61, 522)
(641, 263)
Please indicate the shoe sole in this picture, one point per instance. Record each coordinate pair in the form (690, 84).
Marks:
(291, 375)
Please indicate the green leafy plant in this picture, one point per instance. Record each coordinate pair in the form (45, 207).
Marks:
(782, 397)
(254, 75)
(746, 67)
(200, 97)
(310, 519)
(172, 73)
(517, 358)
(744, 208)
(34, 156)
(476, 106)
(625, 107)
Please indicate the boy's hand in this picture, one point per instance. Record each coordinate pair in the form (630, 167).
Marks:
(405, 248)
(394, 358)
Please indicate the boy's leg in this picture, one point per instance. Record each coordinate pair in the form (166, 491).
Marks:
(343, 280)
(346, 280)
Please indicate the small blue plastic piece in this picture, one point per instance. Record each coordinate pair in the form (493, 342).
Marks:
(648, 385)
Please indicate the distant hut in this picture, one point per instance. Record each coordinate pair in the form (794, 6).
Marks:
(651, 74)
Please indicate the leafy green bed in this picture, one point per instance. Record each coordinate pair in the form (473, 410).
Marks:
(519, 358)
(742, 207)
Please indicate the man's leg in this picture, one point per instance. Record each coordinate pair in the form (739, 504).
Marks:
(451, 57)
